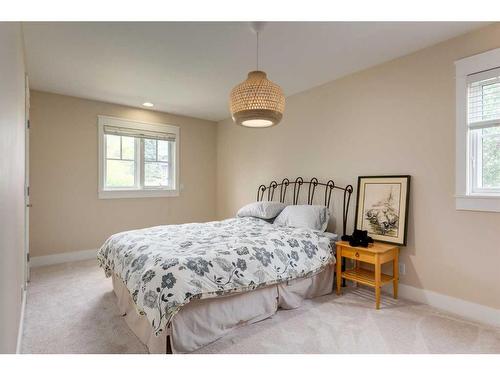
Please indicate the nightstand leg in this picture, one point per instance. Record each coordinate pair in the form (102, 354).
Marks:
(343, 270)
(356, 265)
(377, 283)
(338, 275)
(395, 272)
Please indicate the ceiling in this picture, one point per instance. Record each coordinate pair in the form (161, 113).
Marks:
(189, 68)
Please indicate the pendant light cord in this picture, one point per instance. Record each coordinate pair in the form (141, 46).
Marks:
(257, 33)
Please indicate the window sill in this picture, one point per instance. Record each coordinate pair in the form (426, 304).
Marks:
(118, 194)
(488, 203)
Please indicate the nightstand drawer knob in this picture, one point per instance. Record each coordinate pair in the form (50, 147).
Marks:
(357, 255)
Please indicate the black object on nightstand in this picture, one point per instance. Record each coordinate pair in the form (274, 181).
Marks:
(359, 238)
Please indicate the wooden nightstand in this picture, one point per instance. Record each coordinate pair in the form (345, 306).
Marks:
(377, 254)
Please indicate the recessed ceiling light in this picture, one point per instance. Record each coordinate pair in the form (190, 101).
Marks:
(148, 104)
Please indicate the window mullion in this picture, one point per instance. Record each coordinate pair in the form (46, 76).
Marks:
(479, 160)
(139, 162)
(472, 161)
(104, 176)
(171, 162)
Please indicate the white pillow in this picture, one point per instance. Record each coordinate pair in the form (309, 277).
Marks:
(331, 236)
(261, 210)
(304, 216)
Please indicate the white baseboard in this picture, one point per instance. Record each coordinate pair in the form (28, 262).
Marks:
(21, 324)
(460, 307)
(73, 256)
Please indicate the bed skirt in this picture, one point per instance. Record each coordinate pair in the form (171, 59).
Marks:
(201, 322)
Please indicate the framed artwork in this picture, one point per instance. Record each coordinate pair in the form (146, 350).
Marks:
(382, 207)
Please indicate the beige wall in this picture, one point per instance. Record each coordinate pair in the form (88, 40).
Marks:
(66, 214)
(12, 120)
(396, 118)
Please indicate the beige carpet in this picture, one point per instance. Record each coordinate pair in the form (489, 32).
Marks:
(71, 309)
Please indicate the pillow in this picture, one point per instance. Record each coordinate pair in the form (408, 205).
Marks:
(331, 236)
(304, 216)
(261, 210)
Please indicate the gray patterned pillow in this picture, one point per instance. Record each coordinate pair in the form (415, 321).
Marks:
(304, 216)
(261, 210)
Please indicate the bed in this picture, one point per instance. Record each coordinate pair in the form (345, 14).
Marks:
(181, 287)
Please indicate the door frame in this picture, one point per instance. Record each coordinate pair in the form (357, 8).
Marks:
(27, 205)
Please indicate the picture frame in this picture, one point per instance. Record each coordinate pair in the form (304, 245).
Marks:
(382, 207)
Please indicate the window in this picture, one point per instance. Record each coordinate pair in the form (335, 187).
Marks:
(120, 168)
(137, 159)
(478, 132)
(483, 122)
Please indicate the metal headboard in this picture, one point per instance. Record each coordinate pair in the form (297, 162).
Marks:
(312, 184)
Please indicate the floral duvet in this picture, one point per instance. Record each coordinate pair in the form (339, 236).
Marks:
(167, 266)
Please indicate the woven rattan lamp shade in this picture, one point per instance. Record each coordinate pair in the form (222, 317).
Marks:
(257, 102)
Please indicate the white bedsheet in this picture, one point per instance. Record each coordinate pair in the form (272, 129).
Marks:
(201, 322)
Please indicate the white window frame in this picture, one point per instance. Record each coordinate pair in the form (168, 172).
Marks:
(138, 192)
(466, 197)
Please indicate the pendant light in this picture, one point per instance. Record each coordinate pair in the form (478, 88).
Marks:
(257, 102)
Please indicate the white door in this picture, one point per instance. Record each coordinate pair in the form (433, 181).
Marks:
(27, 187)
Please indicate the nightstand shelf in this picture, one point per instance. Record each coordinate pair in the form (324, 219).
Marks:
(365, 277)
